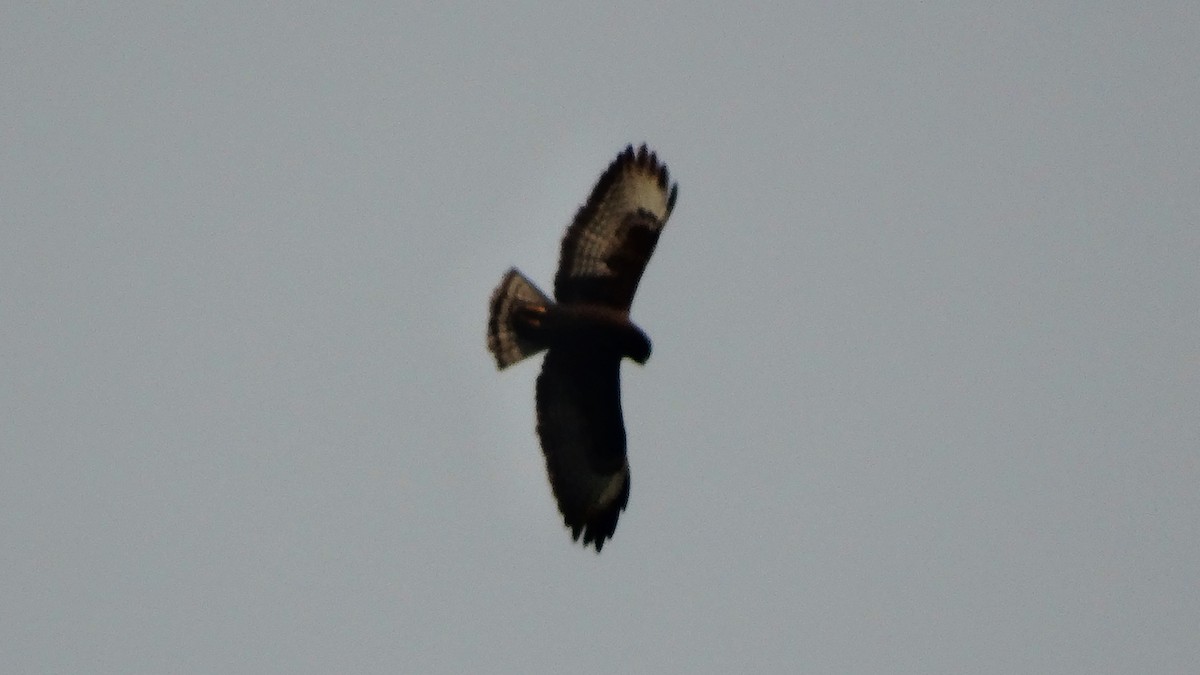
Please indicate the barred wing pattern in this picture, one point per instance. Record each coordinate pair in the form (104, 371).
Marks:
(607, 246)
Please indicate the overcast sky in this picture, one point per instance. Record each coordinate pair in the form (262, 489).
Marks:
(925, 391)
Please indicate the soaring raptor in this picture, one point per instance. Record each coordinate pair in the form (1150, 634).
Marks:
(586, 332)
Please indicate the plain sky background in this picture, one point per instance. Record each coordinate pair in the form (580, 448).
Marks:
(925, 393)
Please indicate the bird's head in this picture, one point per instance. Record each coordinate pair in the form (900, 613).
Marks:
(637, 346)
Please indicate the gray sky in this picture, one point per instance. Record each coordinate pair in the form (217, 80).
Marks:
(926, 375)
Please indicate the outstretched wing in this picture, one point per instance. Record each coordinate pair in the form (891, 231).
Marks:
(583, 438)
(607, 246)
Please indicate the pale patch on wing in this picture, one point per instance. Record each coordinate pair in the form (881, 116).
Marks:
(611, 489)
(636, 190)
(605, 250)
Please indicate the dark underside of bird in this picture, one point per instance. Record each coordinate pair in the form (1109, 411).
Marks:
(585, 332)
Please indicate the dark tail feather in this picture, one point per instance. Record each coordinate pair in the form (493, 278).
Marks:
(504, 341)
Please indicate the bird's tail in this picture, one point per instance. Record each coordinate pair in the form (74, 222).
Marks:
(513, 319)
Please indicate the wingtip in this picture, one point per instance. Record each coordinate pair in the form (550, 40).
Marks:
(647, 158)
(591, 535)
(599, 526)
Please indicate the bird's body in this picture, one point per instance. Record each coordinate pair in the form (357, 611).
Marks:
(586, 331)
(593, 328)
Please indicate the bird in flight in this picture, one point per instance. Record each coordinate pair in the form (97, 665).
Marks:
(586, 331)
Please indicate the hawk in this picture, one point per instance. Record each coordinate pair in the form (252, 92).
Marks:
(586, 331)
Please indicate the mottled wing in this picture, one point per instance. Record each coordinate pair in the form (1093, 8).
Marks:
(583, 439)
(607, 246)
